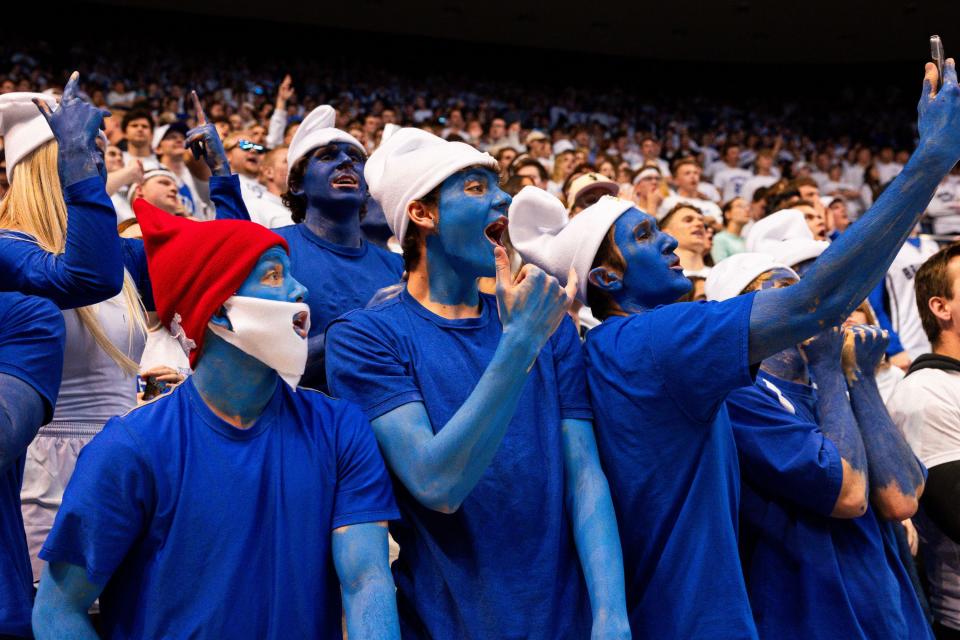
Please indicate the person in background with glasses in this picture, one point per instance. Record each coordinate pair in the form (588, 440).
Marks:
(245, 158)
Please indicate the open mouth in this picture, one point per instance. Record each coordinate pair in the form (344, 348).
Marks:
(346, 181)
(674, 263)
(301, 323)
(494, 231)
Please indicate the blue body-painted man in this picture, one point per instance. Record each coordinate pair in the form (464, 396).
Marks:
(479, 405)
(820, 560)
(659, 376)
(327, 196)
(215, 511)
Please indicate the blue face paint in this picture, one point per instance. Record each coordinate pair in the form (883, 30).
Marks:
(234, 384)
(653, 275)
(777, 279)
(460, 252)
(335, 189)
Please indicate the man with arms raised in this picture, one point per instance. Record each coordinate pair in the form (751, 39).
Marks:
(480, 407)
(221, 509)
(659, 375)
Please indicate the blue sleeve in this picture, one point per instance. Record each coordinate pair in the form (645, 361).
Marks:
(227, 200)
(701, 352)
(89, 270)
(135, 262)
(364, 491)
(105, 506)
(31, 344)
(366, 369)
(571, 372)
(783, 456)
(876, 301)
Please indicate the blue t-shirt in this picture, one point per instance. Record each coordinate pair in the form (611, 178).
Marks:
(811, 576)
(202, 530)
(504, 565)
(31, 349)
(657, 382)
(338, 279)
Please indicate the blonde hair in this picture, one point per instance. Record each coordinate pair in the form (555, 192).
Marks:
(34, 205)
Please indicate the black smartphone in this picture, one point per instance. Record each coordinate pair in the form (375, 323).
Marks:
(936, 54)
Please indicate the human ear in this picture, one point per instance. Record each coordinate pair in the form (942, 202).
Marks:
(422, 216)
(605, 279)
(939, 307)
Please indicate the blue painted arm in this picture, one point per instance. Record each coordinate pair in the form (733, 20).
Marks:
(595, 530)
(440, 469)
(876, 301)
(837, 420)
(21, 414)
(896, 476)
(135, 262)
(227, 201)
(63, 598)
(843, 276)
(361, 558)
(90, 269)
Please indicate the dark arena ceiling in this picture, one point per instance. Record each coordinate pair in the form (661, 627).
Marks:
(739, 31)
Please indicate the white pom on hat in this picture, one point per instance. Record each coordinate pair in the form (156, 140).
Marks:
(544, 235)
(785, 236)
(408, 164)
(316, 130)
(730, 276)
(22, 126)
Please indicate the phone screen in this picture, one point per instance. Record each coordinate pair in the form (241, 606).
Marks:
(936, 53)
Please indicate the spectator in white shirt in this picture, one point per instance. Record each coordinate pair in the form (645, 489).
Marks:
(137, 126)
(686, 177)
(887, 167)
(944, 207)
(731, 177)
(764, 174)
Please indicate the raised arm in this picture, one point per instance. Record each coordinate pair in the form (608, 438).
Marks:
(90, 268)
(361, 558)
(440, 469)
(843, 276)
(204, 141)
(595, 530)
(896, 476)
(63, 598)
(837, 420)
(278, 119)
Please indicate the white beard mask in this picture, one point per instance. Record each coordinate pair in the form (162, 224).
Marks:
(265, 330)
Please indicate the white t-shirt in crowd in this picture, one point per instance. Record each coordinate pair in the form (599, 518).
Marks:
(944, 207)
(902, 297)
(730, 182)
(264, 207)
(756, 182)
(853, 174)
(706, 207)
(149, 162)
(888, 171)
(926, 408)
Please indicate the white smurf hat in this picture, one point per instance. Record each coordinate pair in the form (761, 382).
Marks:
(730, 276)
(22, 126)
(544, 235)
(317, 130)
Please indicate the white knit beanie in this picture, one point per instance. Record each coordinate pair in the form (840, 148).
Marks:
(730, 276)
(542, 233)
(408, 165)
(22, 126)
(317, 130)
(785, 236)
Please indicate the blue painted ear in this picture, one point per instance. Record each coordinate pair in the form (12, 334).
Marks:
(605, 279)
(220, 319)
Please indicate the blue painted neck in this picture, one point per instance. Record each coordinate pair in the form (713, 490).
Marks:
(336, 222)
(787, 365)
(448, 285)
(236, 386)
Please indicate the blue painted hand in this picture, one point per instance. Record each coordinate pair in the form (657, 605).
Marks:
(204, 141)
(939, 112)
(76, 125)
(823, 350)
(863, 349)
(533, 304)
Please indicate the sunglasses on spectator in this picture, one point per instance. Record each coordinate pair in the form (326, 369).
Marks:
(246, 145)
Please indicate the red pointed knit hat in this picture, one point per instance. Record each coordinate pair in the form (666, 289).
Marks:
(195, 266)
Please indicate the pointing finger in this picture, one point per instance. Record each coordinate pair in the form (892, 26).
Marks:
(930, 77)
(949, 72)
(198, 108)
(70, 91)
(503, 266)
